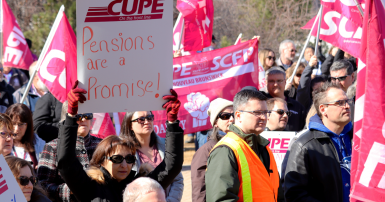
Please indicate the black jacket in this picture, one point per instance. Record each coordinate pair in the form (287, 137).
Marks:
(6, 90)
(313, 171)
(304, 89)
(87, 189)
(46, 117)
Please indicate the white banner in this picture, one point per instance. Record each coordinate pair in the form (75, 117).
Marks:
(9, 188)
(279, 144)
(124, 53)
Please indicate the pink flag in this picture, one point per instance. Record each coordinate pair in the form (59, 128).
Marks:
(198, 18)
(58, 70)
(203, 77)
(102, 126)
(16, 50)
(177, 36)
(368, 164)
(339, 31)
(347, 8)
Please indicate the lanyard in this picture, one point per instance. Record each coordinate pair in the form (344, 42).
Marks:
(14, 152)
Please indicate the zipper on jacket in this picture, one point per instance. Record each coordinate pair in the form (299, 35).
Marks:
(335, 151)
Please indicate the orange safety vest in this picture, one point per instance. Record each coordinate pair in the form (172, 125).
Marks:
(256, 183)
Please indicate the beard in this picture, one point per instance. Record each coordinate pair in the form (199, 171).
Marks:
(41, 86)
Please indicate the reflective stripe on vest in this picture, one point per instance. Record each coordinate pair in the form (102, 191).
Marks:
(263, 185)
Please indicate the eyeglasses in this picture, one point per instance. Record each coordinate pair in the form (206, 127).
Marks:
(143, 119)
(281, 112)
(298, 75)
(271, 57)
(6, 135)
(273, 82)
(87, 116)
(258, 113)
(341, 78)
(293, 50)
(225, 115)
(340, 103)
(19, 124)
(130, 159)
(24, 180)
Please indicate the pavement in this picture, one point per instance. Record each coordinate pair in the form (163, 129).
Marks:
(189, 151)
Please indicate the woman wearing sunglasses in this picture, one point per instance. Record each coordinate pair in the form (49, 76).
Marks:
(150, 148)
(291, 88)
(6, 135)
(110, 166)
(25, 177)
(267, 58)
(27, 145)
(221, 117)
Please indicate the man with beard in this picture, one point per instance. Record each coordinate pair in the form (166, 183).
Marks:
(318, 167)
(286, 54)
(37, 90)
(279, 114)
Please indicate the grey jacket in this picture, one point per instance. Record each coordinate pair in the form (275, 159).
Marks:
(174, 192)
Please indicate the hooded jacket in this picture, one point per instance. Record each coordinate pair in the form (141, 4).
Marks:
(98, 185)
(313, 171)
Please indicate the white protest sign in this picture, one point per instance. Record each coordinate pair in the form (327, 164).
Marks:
(124, 54)
(279, 144)
(9, 188)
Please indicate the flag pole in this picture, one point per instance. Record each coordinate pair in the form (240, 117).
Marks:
(318, 30)
(42, 54)
(304, 47)
(239, 37)
(359, 8)
(181, 35)
(1, 31)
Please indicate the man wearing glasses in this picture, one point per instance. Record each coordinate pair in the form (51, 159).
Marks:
(341, 72)
(287, 53)
(318, 168)
(241, 166)
(279, 114)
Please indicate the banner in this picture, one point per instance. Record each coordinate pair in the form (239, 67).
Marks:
(279, 144)
(9, 188)
(198, 19)
(203, 77)
(339, 31)
(102, 125)
(58, 67)
(347, 8)
(16, 50)
(369, 168)
(124, 54)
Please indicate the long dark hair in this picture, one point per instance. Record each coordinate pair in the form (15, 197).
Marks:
(22, 113)
(126, 130)
(16, 164)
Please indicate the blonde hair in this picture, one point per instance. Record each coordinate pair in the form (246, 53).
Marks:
(290, 70)
(262, 55)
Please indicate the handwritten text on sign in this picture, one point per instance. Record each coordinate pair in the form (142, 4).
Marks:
(9, 188)
(124, 54)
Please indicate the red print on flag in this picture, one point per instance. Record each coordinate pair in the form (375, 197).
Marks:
(58, 70)
(203, 77)
(368, 162)
(338, 30)
(16, 50)
(198, 18)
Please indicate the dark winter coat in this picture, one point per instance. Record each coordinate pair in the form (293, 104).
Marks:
(98, 186)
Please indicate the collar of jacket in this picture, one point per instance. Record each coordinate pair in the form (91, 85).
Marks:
(315, 123)
(111, 182)
(249, 138)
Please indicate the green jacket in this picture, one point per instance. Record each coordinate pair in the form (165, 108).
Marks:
(222, 182)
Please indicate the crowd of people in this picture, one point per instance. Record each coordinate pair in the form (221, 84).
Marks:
(53, 156)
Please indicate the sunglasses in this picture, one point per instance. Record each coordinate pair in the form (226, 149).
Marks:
(341, 78)
(10, 135)
(298, 75)
(143, 119)
(281, 112)
(225, 115)
(130, 159)
(87, 116)
(24, 180)
(270, 57)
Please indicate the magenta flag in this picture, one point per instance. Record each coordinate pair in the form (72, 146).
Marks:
(198, 19)
(368, 162)
(102, 126)
(16, 50)
(203, 77)
(347, 8)
(339, 31)
(58, 70)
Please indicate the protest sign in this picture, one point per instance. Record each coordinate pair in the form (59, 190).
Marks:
(124, 53)
(279, 144)
(203, 77)
(9, 188)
